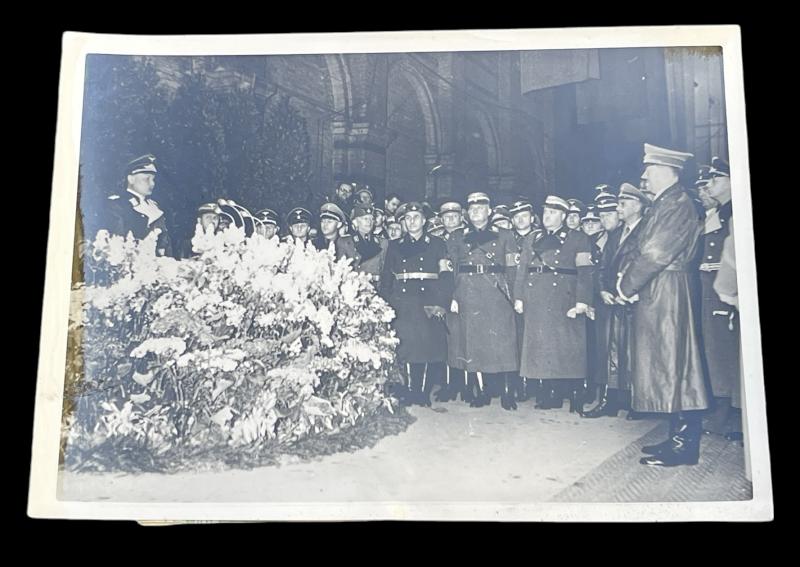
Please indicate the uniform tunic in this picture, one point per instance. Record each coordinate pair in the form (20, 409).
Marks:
(555, 272)
(605, 358)
(368, 253)
(410, 282)
(132, 213)
(480, 259)
(455, 331)
(719, 322)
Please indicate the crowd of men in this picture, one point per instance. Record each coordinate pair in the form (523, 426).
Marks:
(628, 301)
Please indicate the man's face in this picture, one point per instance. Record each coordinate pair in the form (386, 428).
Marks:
(269, 230)
(478, 214)
(364, 224)
(451, 220)
(392, 204)
(415, 222)
(716, 192)
(629, 209)
(344, 191)
(609, 219)
(329, 227)
(379, 218)
(142, 183)
(300, 229)
(522, 221)
(209, 221)
(395, 231)
(659, 177)
(574, 220)
(591, 227)
(365, 198)
(552, 219)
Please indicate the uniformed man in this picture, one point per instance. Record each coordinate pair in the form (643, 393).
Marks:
(522, 218)
(134, 212)
(207, 222)
(501, 218)
(391, 203)
(576, 211)
(233, 214)
(720, 325)
(368, 253)
(604, 245)
(590, 222)
(268, 223)
(553, 292)
(394, 229)
(612, 319)
(452, 214)
(727, 289)
(331, 219)
(364, 196)
(344, 196)
(299, 222)
(380, 220)
(411, 285)
(666, 350)
(435, 227)
(480, 255)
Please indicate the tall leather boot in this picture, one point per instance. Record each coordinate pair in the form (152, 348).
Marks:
(607, 406)
(482, 398)
(520, 388)
(685, 446)
(446, 391)
(550, 396)
(664, 445)
(507, 401)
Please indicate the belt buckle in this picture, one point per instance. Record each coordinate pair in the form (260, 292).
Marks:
(479, 268)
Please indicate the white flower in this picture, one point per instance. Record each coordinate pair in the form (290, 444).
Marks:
(160, 346)
(140, 398)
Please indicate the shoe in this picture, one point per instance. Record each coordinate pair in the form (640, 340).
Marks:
(604, 408)
(657, 448)
(684, 448)
(549, 399)
(480, 400)
(507, 401)
(444, 394)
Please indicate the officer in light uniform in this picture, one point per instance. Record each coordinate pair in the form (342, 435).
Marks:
(480, 255)
(553, 292)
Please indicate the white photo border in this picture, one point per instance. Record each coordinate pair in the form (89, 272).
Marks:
(43, 501)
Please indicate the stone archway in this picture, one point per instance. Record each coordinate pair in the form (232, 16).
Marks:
(413, 127)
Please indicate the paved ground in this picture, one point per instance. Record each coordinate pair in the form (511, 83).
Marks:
(453, 453)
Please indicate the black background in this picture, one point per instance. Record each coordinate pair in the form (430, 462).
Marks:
(28, 174)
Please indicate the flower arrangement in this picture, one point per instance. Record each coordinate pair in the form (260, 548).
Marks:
(248, 343)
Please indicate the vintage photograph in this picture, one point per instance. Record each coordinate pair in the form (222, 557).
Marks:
(426, 280)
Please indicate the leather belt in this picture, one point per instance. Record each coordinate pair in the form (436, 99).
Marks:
(406, 276)
(481, 269)
(548, 269)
